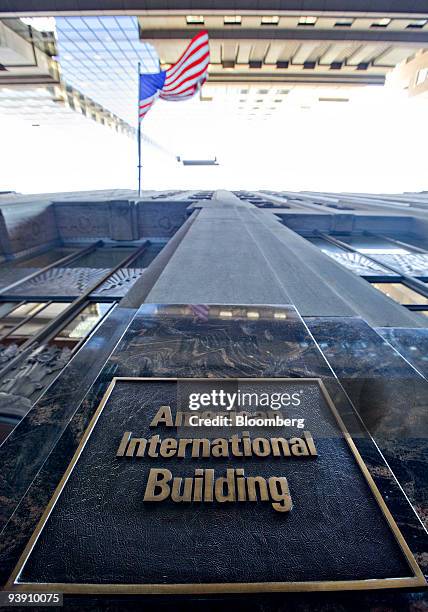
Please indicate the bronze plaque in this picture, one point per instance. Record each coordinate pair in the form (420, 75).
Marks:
(161, 497)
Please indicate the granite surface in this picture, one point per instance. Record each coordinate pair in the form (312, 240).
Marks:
(26, 449)
(174, 341)
(411, 343)
(388, 393)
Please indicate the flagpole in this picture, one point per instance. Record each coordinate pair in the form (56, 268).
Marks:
(139, 134)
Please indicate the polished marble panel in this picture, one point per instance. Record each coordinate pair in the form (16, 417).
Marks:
(389, 394)
(227, 341)
(25, 450)
(411, 343)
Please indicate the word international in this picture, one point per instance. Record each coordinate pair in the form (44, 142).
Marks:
(204, 486)
(235, 446)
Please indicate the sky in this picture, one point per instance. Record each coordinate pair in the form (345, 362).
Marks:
(374, 143)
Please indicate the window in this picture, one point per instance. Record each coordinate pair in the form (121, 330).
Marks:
(19, 322)
(6, 308)
(381, 23)
(282, 64)
(147, 256)
(263, 91)
(42, 260)
(401, 293)
(369, 252)
(422, 76)
(270, 20)
(371, 245)
(232, 20)
(255, 63)
(356, 262)
(17, 314)
(103, 257)
(39, 320)
(309, 65)
(344, 22)
(336, 65)
(307, 21)
(419, 23)
(363, 66)
(326, 247)
(82, 325)
(195, 19)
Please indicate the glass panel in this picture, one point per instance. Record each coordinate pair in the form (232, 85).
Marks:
(413, 264)
(328, 247)
(6, 307)
(356, 262)
(400, 293)
(372, 245)
(85, 322)
(40, 320)
(18, 314)
(103, 258)
(147, 256)
(45, 259)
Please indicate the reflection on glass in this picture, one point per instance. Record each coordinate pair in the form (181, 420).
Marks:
(103, 257)
(147, 256)
(400, 293)
(84, 322)
(356, 262)
(17, 315)
(40, 320)
(44, 259)
(326, 246)
(6, 307)
(370, 245)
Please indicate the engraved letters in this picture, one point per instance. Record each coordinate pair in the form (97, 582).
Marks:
(205, 485)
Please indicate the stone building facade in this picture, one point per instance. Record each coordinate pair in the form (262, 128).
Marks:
(195, 283)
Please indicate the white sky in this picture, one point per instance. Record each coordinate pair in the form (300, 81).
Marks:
(374, 143)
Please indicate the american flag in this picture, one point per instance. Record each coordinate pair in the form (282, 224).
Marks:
(182, 80)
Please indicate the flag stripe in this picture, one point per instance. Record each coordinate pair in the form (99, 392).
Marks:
(179, 79)
(175, 70)
(192, 78)
(187, 93)
(179, 82)
(195, 44)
